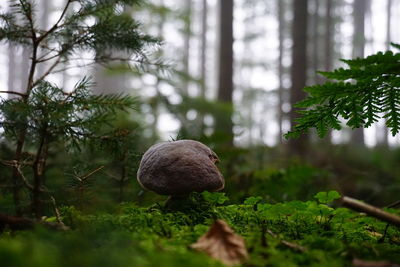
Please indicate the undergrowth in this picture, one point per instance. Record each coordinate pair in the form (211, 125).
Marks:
(155, 236)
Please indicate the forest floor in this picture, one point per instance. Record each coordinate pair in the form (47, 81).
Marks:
(294, 233)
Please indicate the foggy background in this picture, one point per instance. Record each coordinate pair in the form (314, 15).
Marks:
(262, 60)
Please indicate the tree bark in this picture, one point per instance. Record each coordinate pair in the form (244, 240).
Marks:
(299, 70)
(383, 135)
(328, 35)
(359, 10)
(224, 123)
(281, 21)
(187, 32)
(315, 42)
(203, 60)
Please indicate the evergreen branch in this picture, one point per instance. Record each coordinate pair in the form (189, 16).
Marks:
(361, 93)
(26, 7)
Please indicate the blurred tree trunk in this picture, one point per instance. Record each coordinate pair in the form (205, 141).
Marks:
(12, 73)
(298, 72)
(329, 36)
(203, 58)
(155, 103)
(18, 70)
(203, 52)
(359, 10)
(329, 47)
(111, 83)
(224, 125)
(187, 33)
(281, 22)
(388, 23)
(382, 136)
(44, 12)
(107, 83)
(14, 85)
(315, 42)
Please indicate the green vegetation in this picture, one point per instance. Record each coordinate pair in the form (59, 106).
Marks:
(67, 154)
(149, 236)
(363, 93)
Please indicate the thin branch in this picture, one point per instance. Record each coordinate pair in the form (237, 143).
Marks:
(73, 67)
(288, 244)
(370, 210)
(394, 204)
(29, 17)
(57, 212)
(86, 176)
(13, 93)
(23, 178)
(55, 26)
(47, 72)
(102, 63)
(50, 50)
(14, 163)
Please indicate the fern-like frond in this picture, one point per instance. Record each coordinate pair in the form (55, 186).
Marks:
(360, 94)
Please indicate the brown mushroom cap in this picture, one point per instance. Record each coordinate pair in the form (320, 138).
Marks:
(179, 167)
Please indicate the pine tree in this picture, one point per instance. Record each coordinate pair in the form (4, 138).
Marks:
(43, 113)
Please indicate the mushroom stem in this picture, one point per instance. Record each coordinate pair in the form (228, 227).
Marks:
(177, 202)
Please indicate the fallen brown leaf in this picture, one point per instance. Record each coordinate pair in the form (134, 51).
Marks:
(221, 243)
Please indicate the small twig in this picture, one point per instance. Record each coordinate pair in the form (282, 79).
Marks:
(288, 244)
(394, 204)
(370, 210)
(47, 72)
(382, 239)
(23, 178)
(56, 211)
(14, 163)
(83, 178)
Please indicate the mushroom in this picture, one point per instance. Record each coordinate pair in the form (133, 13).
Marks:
(178, 168)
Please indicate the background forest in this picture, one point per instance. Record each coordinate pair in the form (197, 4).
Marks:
(86, 87)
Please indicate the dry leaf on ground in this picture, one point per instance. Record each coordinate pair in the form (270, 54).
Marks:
(221, 243)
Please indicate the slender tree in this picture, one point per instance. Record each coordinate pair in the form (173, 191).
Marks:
(281, 29)
(328, 47)
(315, 54)
(389, 5)
(187, 34)
(298, 72)
(359, 11)
(382, 137)
(44, 13)
(203, 47)
(224, 123)
(203, 58)
(36, 124)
